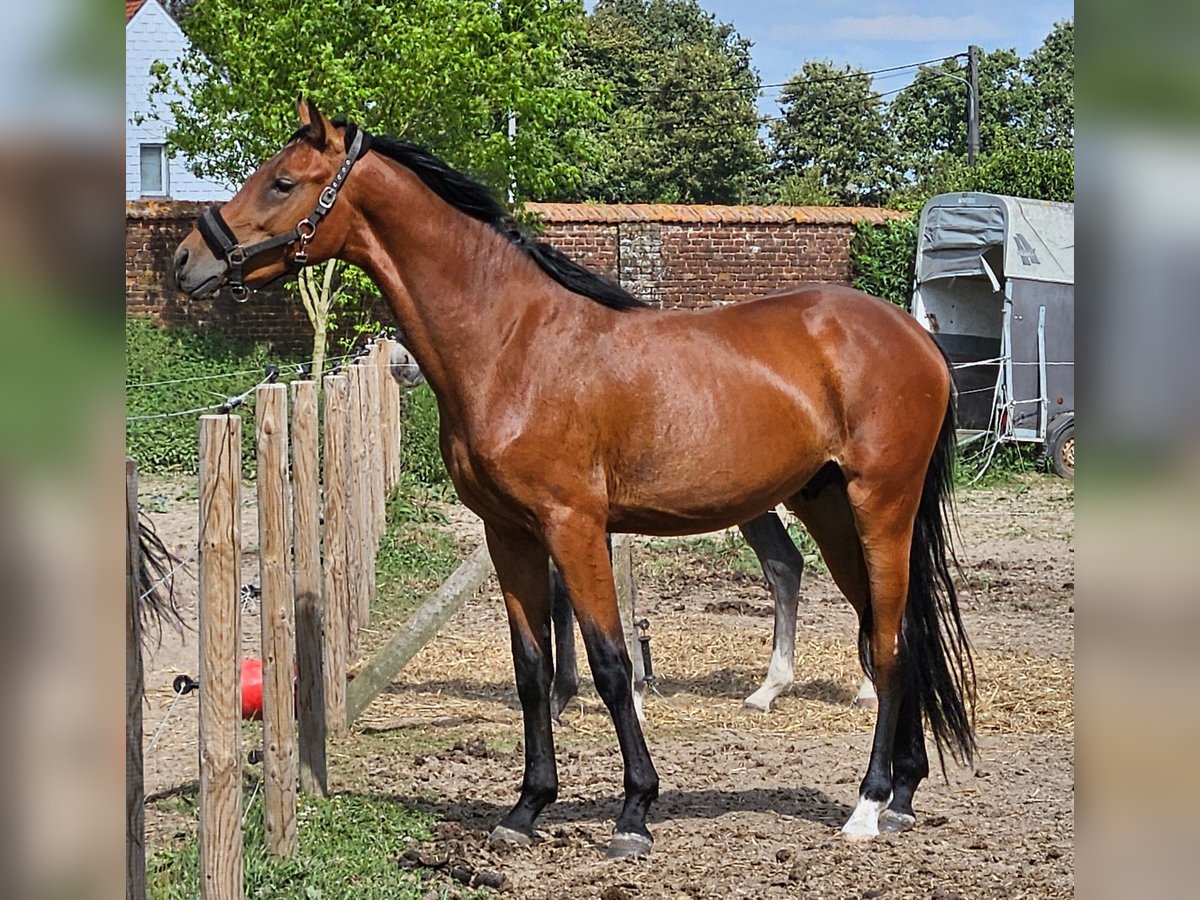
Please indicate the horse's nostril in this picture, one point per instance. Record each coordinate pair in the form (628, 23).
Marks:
(181, 258)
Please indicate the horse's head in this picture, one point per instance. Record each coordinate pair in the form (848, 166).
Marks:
(404, 367)
(285, 215)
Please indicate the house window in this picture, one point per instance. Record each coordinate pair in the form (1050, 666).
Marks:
(154, 170)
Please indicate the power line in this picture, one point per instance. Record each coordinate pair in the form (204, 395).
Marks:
(842, 77)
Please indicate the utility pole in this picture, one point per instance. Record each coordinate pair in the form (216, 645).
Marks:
(972, 104)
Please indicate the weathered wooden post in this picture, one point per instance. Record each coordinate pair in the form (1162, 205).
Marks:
(278, 632)
(220, 658)
(390, 417)
(358, 546)
(135, 787)
(306, 525)
(336, 639)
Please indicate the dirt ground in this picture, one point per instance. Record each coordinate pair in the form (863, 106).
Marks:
(750, 804)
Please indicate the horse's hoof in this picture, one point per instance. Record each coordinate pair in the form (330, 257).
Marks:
(864, 836)
(629, 843)
(868, 702)
(756, 706)
(891, 822)
(502, 835)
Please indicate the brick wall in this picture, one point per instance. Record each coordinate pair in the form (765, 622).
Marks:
(675, 256)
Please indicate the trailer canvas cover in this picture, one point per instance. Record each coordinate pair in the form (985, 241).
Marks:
(959, 228)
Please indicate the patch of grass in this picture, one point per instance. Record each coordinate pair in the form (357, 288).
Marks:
(1009, 462)
(728, 550)
(417, 552)
(347, 847)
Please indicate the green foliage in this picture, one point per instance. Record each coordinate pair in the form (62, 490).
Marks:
(806, 188)
(421, 453)
(663, 141)
(446, 73)
(1051, 68)
(929, 117)
(347, 847)
(157, 354)
(882, 259)
(833, 133)
(1011, 168)
(416, 554)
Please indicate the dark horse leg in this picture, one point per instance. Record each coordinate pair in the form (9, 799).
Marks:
(782, 564)
(566, 668)
(578, 547)
(520, 562)
(830, 520)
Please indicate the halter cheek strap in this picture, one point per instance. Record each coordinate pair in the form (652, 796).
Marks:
(224, 243)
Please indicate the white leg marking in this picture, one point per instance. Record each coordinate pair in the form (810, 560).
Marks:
(779, 678)
(866, 694)
(863, 824)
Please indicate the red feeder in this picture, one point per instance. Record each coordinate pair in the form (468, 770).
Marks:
(252, 701)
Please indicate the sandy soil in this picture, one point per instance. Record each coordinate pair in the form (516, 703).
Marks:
(750, 804)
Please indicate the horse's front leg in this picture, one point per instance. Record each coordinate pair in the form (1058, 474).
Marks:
(577, 544)
(521, 562)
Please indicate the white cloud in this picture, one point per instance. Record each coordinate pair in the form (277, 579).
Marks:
(972, 28)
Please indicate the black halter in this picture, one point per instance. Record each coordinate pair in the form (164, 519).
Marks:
(224, 243)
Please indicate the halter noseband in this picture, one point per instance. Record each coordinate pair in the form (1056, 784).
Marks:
(224, 243)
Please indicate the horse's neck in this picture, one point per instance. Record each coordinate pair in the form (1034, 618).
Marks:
(456, 286)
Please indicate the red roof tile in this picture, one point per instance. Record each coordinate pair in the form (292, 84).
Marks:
(132, 6)
(673, 213)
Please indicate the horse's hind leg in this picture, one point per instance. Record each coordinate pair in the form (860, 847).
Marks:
(885, 531)
(577, 545)
(566, 668)
(782, 564)
(520, 562)
(829, 520)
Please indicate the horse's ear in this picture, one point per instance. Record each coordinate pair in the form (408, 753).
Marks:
(316, 126)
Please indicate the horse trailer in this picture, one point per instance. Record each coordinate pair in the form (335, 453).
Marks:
(995, 286)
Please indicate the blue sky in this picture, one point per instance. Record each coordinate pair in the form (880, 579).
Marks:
(876, 35)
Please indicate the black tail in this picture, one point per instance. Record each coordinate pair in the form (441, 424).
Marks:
(939, 663)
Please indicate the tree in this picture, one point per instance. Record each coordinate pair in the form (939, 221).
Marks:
(680, 91)
(1051, 69)
(929, 117)
(445, 73)
(832, 136)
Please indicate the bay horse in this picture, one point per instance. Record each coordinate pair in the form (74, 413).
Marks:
(782, 565)
(833, 402)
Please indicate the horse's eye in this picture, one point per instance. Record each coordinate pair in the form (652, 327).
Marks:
(283, 185)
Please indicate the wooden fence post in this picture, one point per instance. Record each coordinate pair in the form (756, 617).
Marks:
(358, 533)
(390, 417)
(622, 563)
(378, 481)
(337, 583)
(220, 658)
(278, 633)
(135, 787)
(306, 524)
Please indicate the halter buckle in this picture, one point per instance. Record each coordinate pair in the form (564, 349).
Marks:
(327, 198)
(236, 255)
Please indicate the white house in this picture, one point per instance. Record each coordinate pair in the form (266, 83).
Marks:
(151, 34)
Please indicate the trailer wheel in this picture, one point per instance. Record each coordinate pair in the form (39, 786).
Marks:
(1061, 451)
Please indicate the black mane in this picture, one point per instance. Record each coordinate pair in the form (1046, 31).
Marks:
(477, 201)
